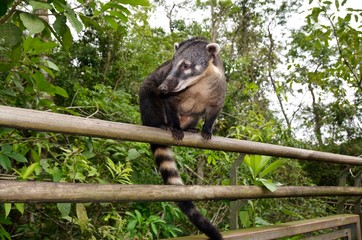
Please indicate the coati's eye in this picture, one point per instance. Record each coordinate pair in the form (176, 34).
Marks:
(186, 66)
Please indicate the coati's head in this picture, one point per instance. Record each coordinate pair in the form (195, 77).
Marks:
(190, 63)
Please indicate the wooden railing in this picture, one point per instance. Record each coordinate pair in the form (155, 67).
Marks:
(14, 191)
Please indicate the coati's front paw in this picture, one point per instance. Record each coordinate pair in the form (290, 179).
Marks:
(177, 134)
(206, 135)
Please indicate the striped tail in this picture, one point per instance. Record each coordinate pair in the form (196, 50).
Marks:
(170, 175)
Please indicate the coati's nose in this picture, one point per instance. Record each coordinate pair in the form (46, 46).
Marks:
(162, 88)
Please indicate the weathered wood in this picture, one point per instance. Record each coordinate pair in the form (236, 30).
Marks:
(350, 221)
(20, 191)
(60, 123)
(237, 204)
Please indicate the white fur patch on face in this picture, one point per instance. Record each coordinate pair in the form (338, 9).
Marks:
(185, 83)
(188, 71)
(179, 63)
(198, 68)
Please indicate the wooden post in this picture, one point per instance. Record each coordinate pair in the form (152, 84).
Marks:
(342, 180)
(357, 200)
(237, 204)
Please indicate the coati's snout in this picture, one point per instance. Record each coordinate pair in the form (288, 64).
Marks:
(163, 88)
(168, 85)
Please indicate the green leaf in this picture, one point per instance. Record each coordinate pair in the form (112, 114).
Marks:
(315, 13)
(52, 65)
(32, 23)
(37, 46)
(262, 163)
(268, 184)
(119, 15)
(17, 156)
(135, 2)
(20, 207)
(60, 27)
(10, 33)
(154, 228)
(44, 86)
(82, 216)
(64, 208)
(88, 22)
(6, 148)
(47, 70)
(256, 163)
(67, 39)
(60, 24)
(5, 162)
(39, 5)
(132, 224)
(60, 91)
(7, 207)
(113, 5)
(292, 213)
(57, 174)
(110, 20)
(29, 170)
(78, 26)
(35, 155)
(276, 164)
(261, 222)
(133, 154)
(244, 218)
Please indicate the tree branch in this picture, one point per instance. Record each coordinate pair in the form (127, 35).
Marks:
(359, 83)
(10, 12)
(272, 80)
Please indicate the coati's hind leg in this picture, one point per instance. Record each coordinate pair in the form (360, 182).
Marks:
(173, 122)
(210, 119)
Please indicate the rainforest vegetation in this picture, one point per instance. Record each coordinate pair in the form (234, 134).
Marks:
(294, 78)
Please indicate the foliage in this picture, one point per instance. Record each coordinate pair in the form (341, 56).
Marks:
(88, 58)
(258, 168)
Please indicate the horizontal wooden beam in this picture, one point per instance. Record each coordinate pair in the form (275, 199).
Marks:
(20, 191)
(60, 123)
(349, 223)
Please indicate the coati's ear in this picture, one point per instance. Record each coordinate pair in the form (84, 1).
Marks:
(213, 48)
(175, 46)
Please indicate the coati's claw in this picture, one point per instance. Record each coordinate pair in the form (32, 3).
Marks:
(206, 136)
(177, 134)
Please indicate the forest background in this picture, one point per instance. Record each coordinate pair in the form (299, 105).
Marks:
(289, 83)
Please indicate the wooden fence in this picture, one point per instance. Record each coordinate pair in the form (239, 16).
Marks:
(15, 191)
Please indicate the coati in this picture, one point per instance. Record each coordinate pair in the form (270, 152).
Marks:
(176, 96)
